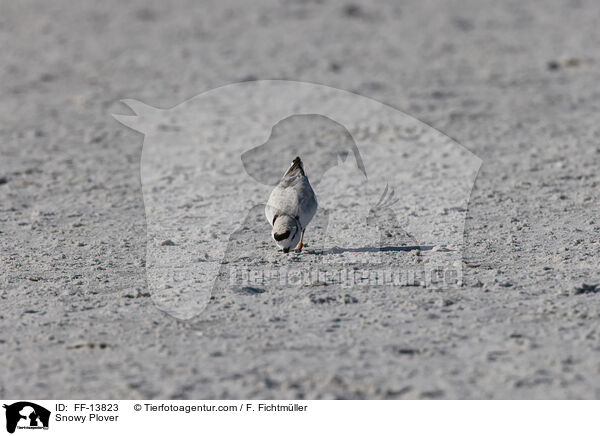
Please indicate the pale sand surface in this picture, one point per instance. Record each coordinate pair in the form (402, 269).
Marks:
(516, 83)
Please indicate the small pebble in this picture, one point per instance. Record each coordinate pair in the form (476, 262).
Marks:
(553, 65)
(249, 290)
(586, 289)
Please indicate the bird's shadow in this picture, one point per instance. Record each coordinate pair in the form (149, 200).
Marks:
(340, 250)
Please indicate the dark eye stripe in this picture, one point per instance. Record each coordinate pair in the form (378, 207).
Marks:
(282, 236)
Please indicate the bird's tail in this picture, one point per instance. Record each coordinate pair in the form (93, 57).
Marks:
(296, 164)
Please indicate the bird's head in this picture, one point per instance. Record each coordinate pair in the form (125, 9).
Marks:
(286, 232)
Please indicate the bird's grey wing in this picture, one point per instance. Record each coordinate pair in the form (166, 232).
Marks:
(308, 207)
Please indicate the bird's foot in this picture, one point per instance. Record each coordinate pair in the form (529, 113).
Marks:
(299, 248)
(286, 250)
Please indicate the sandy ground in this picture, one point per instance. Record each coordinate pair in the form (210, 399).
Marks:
(514, 82)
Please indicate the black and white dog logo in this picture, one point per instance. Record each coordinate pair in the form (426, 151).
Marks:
(26, 415)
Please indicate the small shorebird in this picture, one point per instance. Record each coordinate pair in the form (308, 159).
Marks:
(290, 207)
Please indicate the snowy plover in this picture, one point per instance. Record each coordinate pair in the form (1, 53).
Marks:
(290, 207)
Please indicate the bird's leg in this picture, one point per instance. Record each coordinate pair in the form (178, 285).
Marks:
(299, 248)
